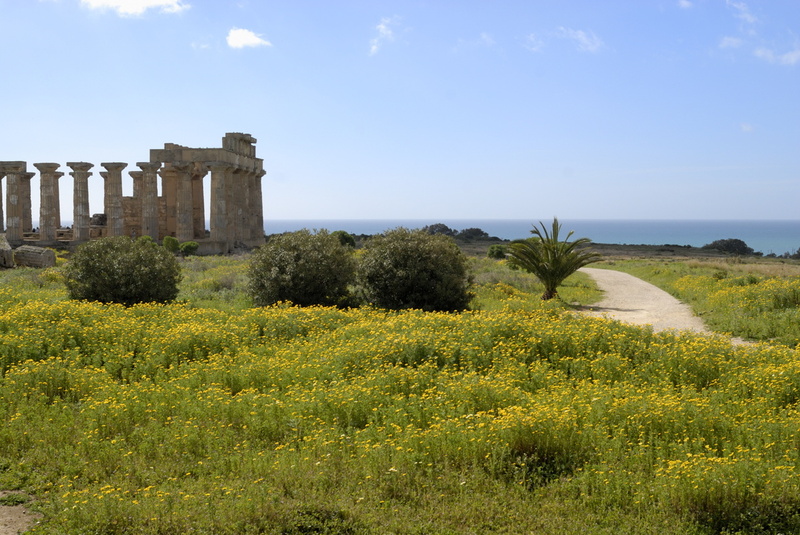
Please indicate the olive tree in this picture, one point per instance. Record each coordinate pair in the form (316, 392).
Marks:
(122, 270)
(404, 269)
(302, 267)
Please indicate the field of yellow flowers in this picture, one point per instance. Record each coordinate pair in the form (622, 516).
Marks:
(518, 417)
(754, 300)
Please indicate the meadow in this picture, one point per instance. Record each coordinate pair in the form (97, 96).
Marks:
(750, 298)
(210, 416)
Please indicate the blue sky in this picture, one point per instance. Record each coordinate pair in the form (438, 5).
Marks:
(655, 109)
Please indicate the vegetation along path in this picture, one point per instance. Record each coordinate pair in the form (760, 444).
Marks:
(632, 300)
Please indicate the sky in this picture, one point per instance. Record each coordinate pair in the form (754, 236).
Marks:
(415, 109)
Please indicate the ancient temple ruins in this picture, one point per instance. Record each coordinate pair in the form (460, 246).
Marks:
(236, 213)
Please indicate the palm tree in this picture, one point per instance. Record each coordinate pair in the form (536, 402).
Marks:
(551, 260)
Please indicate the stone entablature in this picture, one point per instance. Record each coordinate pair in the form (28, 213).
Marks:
(235, 206)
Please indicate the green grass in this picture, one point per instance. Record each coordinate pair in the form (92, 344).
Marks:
(756, 299)
(518, 417)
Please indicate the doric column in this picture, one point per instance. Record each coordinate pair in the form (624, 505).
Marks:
(246, 220)
(25, 201)
(80, 200)
(198, 200)
(115, 220)
(219, 202)
(184, 207)
(236, 198)
(169, 191)
(149, 194)
(259, 214)
(136, 176)
(2, 216)
(48, 216)
(13, 204)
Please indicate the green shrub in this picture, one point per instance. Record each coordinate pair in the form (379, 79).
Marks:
(121, 270)
(302, 267)
(413, 269)
(345, 238)
(730, 245)
(171, 244)
(188, 248)
(496, 251)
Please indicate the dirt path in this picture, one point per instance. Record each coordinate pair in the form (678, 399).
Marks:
(632, 300)
(15, 519)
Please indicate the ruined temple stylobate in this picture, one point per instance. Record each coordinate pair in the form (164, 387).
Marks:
(236, 213)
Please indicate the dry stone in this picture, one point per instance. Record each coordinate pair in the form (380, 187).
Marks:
(37, 257)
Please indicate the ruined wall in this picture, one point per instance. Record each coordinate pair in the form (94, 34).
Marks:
(235, 202)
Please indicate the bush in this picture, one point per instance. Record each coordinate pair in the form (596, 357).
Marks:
(188, 248)
(122, 270)
(496, 251)
(345, 238)
(171, 244)
(302, 267)
(730, 245)
(413, 269)
(469, 234)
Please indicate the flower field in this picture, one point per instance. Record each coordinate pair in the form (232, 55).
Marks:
(758, 301)
(519, 417)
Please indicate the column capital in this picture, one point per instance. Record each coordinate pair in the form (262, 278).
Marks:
(58, 174)
(13, 167)
(27, 175)
(180, 165)
(136, 174)
(47, 167)
(114, 166)
(79, 166)
(149, 166)
(218, 166)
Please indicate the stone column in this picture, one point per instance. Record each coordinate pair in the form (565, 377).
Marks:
(237, 197)
(13, 202)
(25, 200)
(198, 200)
(219, 204)
(248, 178)
(184, 207)
(113, 197)
(136, 176)
(169, 191)
(150, 198)
(2, 216)
(80, 200)
(48, 216)
(259, 212)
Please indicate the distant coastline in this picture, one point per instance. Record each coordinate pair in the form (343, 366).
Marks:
(776, 236)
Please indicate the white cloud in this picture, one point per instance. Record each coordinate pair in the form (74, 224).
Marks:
(486, 39)
(128, 8)
(684, 4)
(746, 127)
(787, 58)
(385, 34)
(742, 11)
(241, 38)
(730, 42)
(587, 42)
(534, 43)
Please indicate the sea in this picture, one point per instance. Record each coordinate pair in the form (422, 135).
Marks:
(766, 236)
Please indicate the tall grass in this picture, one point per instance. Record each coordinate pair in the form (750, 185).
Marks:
(518, 417)
(754, 300)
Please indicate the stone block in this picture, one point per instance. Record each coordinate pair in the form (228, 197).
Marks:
(37, 257)
(6, 253)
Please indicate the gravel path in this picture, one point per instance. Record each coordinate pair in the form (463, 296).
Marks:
(632, 300)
